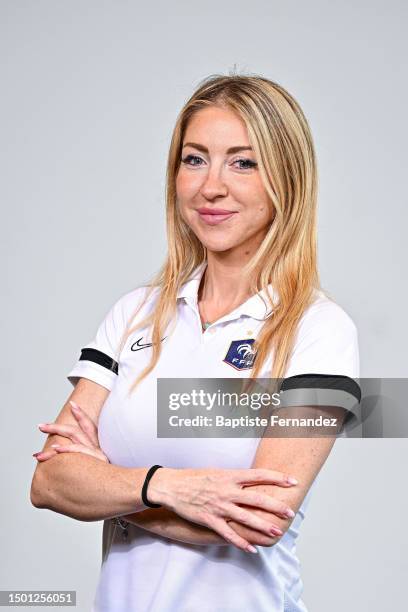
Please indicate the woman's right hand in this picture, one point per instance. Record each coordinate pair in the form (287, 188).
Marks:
(211, 497)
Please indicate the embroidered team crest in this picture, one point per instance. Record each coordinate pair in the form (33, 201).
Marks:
(240, 354)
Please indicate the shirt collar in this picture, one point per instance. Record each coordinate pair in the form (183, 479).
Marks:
(257, 306)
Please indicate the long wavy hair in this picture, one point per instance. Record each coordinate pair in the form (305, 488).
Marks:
(287, 258)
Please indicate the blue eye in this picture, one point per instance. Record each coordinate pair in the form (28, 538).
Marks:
(248, 162)
(188, 158)
(251, 164)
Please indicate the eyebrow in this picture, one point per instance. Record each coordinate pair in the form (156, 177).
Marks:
(204, 149)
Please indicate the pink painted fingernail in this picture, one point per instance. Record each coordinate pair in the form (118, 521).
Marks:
(42, 424)
(74, 405)
(276, 531)
(251, 549)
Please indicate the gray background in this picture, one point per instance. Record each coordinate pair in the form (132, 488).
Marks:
(90, 93)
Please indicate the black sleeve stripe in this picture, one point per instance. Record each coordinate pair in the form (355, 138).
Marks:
(323, 390)
(323, 381)
(90, 354)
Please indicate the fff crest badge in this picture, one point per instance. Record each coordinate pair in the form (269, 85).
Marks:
(240, 354)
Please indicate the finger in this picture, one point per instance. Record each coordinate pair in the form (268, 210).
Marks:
(85, 422)
(88, 427)
(263, 475)
(248, 518)
(100, 455)
(257, 538)
(225, 531)
(44, 455)
(79, 448)
(261, 500)
(73, 432)
(77, 408)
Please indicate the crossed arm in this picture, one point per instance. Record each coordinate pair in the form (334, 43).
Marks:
(302, 457)
(62, 483)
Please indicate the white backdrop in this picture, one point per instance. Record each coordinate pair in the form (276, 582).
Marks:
(90, 94)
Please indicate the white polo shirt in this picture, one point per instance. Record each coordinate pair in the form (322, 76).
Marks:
(144, 572)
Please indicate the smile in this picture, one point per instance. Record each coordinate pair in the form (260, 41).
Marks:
(215, 217)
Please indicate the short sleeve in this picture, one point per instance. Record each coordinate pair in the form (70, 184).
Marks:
(326, 342)
(98, 360)
(325, 360)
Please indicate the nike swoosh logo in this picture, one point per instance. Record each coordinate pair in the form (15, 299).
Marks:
(142, 346)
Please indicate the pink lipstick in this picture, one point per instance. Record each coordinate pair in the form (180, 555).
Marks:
(214, 216)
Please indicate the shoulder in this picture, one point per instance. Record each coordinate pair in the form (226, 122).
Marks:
(127, 304)
(326, 340)
(324, 316)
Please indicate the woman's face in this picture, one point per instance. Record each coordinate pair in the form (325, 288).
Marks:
(219, 191)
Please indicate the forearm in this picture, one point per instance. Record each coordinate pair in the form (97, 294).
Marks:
(168, 524)
(87, 489)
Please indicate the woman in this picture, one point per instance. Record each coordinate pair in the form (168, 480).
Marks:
(241, 266)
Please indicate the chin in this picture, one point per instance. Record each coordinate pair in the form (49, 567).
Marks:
(218, 246)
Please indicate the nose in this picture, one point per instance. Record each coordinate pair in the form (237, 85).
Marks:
(213, 184)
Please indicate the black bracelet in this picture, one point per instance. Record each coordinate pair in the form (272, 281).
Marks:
(144, 488)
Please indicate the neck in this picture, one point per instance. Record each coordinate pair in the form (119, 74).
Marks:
(223, 285)
(222, 288)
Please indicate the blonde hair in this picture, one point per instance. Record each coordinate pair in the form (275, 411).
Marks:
(287, 258)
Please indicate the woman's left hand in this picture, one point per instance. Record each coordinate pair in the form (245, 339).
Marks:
(83, 435)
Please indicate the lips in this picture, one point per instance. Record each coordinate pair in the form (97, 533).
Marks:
(214, 216)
